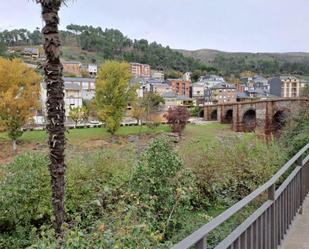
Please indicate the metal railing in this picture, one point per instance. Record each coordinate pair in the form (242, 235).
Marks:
(266, 227)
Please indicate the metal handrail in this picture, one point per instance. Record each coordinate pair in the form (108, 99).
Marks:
(199, 236)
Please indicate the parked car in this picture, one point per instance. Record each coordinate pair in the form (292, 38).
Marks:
(95, 122)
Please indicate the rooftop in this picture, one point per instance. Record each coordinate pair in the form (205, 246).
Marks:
(78, 79)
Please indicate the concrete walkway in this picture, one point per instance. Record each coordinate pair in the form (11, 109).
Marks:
(298, 235)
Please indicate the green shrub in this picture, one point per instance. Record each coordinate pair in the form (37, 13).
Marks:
(164, 185)
(24, 200)
(296, 134)
(229, 169)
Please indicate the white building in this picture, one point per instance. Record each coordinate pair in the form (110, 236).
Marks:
(86, 86)
(157, 75)
(187, 76)
(198, 90)
(92, 70)
(75, 90)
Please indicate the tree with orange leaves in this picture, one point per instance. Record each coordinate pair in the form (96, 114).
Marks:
(19, 95)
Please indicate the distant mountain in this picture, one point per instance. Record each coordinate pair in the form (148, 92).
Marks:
(209, 55)
(265, 63)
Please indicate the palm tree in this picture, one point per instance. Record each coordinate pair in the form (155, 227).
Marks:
(55, 107)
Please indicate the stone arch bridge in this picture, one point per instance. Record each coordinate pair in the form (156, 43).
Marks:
(268, 115)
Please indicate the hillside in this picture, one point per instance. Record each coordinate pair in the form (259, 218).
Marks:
(90, 44)
(94, 45)
(265, 63)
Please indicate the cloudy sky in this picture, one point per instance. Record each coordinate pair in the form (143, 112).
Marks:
(229, 25)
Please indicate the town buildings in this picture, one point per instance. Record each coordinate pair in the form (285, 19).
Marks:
(72, 97)
(256, 82)
(86, 86)
(75, 91)
(180, 87)
(221, 93)
(72, 67)
(157, 75)
(172, 100)
(140, 70)
(92, 70)
(187, 76)
(285, 86)
(33, 53)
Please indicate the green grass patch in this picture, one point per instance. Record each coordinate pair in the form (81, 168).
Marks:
(89, 133)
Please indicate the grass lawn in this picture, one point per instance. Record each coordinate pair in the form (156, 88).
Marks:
(88, 133)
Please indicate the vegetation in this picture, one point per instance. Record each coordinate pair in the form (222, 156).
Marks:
(138, 110)
(115, 200)
(113, 93)
(296, 134)
(177, 117)
(77, 136)
(108, 44)
(261, 63)
(78, 114)
(19, 88)
(55, 107)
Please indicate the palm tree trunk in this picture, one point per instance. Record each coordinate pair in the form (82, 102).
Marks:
(55, 108)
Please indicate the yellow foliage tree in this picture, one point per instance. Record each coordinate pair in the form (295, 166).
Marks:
(113, 93)
(19, 95)
(138, 111)
(247, 74)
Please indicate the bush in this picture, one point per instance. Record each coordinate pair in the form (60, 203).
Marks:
(231, 168)
(25, 197)
(109, 203)
(164, 186)
(177, 117)
(296, 134)
(25, 200)
(195, 111)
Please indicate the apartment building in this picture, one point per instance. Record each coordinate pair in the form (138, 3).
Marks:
(180, 87)
(72, 97)
(72, 67)
(157, 75)
(86, 86)
(140, 70)
(285, 86)
(221, 93)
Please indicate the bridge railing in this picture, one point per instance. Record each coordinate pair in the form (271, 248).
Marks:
(266, 227)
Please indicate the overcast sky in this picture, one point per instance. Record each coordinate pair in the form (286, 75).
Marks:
(229, 25)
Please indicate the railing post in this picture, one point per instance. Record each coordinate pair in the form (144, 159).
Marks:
(301, 191)
(271, 197)
(202, 244)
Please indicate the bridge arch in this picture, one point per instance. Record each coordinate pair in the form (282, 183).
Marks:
(279, 120)
(228, 117)
(214, 115)
(249, 120)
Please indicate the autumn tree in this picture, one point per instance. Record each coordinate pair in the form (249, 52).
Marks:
(178, 118)
(138, 111)
(55, 106)
(151, 102)
(113, 93)
(90, 106)
(78, 114)
(19, 95)
(247, 74)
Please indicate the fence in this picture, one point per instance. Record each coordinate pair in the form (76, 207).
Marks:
(266, 227)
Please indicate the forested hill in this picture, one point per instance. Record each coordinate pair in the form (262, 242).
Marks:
(263, 63)
(90, 44)
(93, 44)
